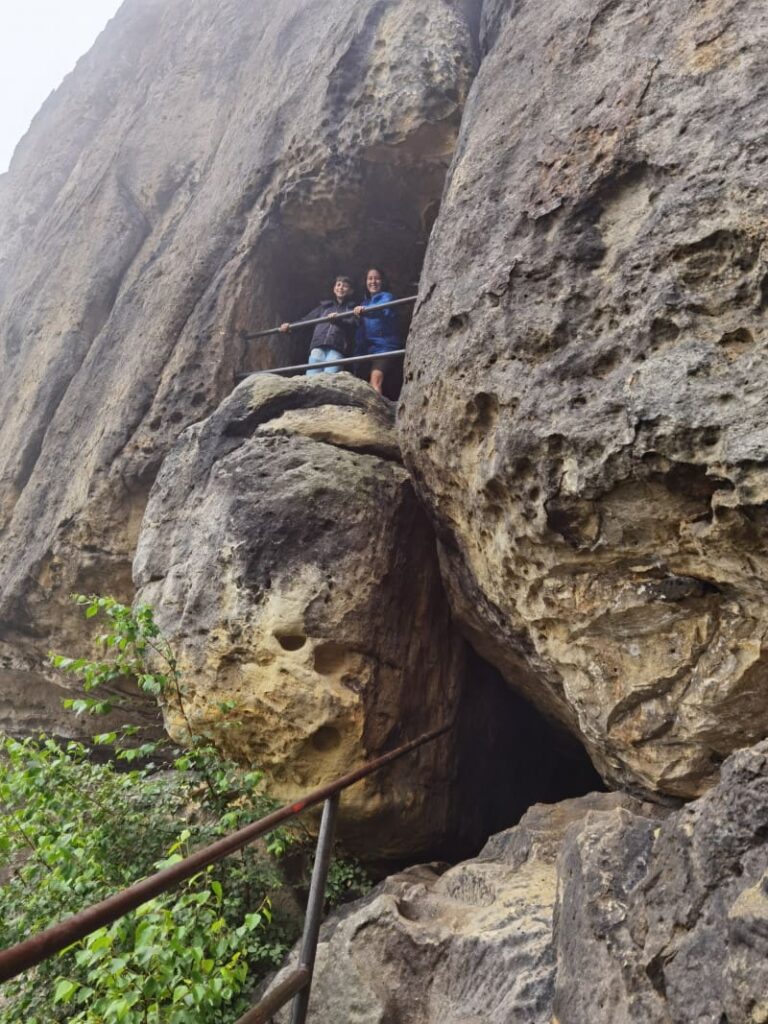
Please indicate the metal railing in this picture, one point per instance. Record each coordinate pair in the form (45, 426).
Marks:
(331, 318)
(327, 362)
(347, 360)
(53, 940)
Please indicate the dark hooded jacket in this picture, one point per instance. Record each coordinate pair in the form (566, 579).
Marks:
(339, 335)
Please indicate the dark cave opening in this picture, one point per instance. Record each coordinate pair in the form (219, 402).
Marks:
(509, 757)
(381, 216)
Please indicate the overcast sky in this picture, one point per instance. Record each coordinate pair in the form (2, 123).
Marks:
(40, 41)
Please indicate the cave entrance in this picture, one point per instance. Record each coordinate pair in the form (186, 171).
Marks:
(509, 758)
(382, 217)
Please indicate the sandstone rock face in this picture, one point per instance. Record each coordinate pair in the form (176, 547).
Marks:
(206, 169)
(584, 409)
(468, 945)
(669, 922)
(296, 575)
(601, 910)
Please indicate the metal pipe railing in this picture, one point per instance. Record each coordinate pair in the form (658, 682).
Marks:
(53, 940)
(327, 362)
(367, 311)
(315, 905)
(277, 998)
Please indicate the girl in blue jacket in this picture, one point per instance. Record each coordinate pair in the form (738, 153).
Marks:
(379, 329)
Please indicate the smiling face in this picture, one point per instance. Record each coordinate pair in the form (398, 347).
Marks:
(373, 281)
(342, 289)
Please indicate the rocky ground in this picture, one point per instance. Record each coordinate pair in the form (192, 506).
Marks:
(601, 910)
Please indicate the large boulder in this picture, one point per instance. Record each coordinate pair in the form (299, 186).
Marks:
(206, 168)
(584, 410)
(296, 577)
(668, 921)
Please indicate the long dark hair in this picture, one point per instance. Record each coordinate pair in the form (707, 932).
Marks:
(384, 281)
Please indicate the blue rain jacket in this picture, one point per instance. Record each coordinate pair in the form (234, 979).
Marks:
(379, 331)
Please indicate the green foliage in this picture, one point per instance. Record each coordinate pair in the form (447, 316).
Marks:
(132, 645)
(347, 880)
(73, 831)
(175, 957)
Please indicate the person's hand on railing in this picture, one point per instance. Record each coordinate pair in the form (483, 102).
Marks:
(285, 328)
(358, 310)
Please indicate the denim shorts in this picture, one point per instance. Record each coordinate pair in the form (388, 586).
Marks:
(320, 355)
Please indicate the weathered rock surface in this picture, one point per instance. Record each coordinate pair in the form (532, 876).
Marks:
(296, 575)
(206, 168)
(468, 945)
(584, 409)
(601, 910)
(669, 922)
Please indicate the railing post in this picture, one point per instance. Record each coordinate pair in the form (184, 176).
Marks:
(315, 905)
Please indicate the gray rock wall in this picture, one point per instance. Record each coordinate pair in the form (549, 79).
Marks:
(668, 921)
(584, 404)
(205, 169)
(470, 944)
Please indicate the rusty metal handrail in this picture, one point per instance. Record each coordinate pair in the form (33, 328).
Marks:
(32, 951)
(277, 997)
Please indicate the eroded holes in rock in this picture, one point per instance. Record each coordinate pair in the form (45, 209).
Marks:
(736, 342)
(486, 410)
(655, 974)
(411, 910)
(556, 444)
(326, 738)
(482, 412)
(692, 483)
(717, 254)
(456, 323)
(329, 658)
(577, 522)
(291, 641)
(606, 362)
(496, 495)
(663, 332)
(763, 294)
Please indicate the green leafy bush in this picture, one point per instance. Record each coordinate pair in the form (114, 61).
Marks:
(133, 646)
(74, 830)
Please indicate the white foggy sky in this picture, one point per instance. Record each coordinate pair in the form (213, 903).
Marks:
(40, 42)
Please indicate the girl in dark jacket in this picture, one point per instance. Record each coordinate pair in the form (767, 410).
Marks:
(379, 329)
(335, 338)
